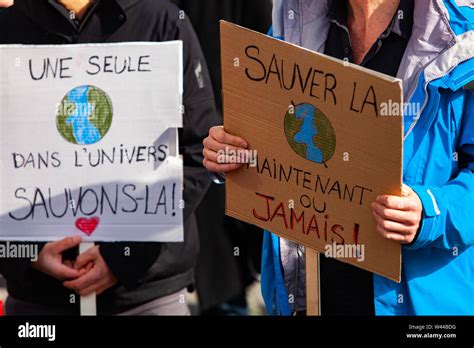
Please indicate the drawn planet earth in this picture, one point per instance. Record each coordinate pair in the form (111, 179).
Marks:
(309, 133)
(84, 115)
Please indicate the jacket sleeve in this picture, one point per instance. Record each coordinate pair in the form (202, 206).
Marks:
(17, 268)
(129, 262)
(448, 209)
(200, 115)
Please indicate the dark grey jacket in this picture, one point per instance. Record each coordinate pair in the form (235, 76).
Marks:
(154, 269)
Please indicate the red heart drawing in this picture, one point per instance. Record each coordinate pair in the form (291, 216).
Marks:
(88, 226)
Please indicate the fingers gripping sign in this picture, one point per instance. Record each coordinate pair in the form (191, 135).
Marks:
(50, 259)
(398, 218)
(97, 276)
(217, 145)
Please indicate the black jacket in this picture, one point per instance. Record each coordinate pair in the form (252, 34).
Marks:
(205, 16)
(152, 270)
(219, 282)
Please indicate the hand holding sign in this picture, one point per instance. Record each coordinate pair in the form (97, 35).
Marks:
(398, 218)
(326, 148)
(50, 259)
(217, 143)
(98, 277)
(96, 157)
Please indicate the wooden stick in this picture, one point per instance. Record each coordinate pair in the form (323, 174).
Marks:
(313, 303)
(88, 303)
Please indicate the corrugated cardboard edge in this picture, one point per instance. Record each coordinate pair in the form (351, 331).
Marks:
(225, 24)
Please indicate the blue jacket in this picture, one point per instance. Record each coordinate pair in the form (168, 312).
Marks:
(438, 268)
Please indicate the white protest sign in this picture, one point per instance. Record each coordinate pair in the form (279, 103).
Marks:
(89, 142)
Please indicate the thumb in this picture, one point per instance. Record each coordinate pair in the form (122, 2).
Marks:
(406, 190)
(66, 244)
(64, 272)
(86, 269)
(85, 258)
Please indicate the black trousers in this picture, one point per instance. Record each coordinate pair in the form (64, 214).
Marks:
(345, 289)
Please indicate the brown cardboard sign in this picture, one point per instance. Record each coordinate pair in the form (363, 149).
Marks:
(325, 139)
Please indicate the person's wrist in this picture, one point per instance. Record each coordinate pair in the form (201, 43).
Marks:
(417, 234)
